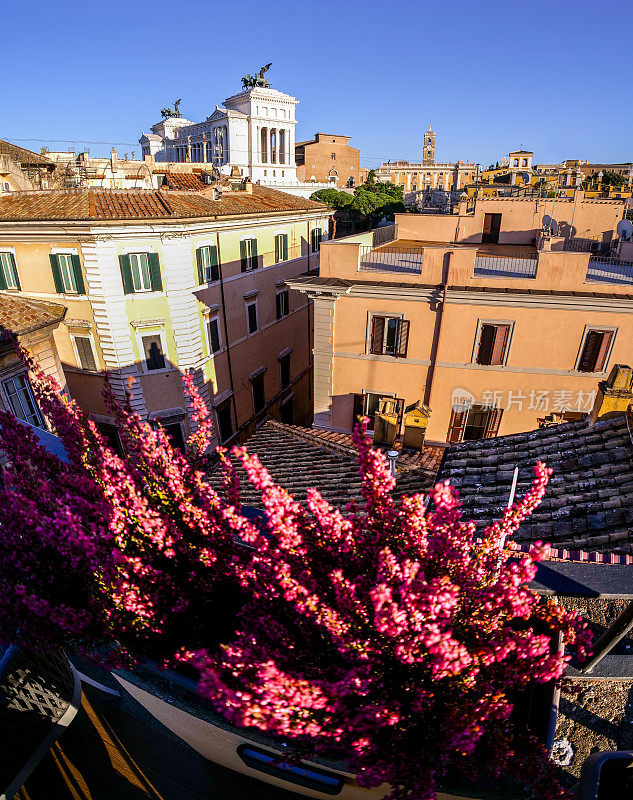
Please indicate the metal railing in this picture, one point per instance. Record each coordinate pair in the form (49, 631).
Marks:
(392, 259)
(383, 235)
(508, 266)
(588, 245)
(609, 269)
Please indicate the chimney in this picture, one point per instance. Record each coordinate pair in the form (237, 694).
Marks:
(113, 159)
(614, 395)
(247, 185)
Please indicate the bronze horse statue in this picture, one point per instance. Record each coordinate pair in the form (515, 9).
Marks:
(171, 112)
(249, 81)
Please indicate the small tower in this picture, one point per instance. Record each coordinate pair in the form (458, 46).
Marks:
(428, 156)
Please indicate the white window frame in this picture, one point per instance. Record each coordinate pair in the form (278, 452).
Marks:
(7, 402)
(596, 327)
(387, 315)
(286, 291)
(10, 252)
(152, 331)
(205, 246)
(69, 285)
(143, 289)
(247, 303)
(84, 335)
(211, 318)
(506, 355)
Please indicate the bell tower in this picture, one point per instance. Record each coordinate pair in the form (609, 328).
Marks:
(428, 155)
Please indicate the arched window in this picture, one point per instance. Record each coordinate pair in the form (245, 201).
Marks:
(264, 145)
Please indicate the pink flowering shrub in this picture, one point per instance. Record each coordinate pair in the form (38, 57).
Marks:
(388, 635)
(107, 550)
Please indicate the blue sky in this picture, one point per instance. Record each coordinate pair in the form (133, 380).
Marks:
(492, 75)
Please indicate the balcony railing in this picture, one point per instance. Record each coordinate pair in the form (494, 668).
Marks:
(393, 259)
(507, 266)
(609, 269)
(588, 245)
(383, 235)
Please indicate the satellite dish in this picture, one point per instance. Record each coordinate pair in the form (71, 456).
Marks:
(526, 177)
(553, 227)
(546, 221)
(625, 229)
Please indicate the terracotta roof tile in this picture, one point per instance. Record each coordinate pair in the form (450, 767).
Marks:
(23, 156)
(116, 204)
(22, 314)
(303, 458)
(589, 501)
(184, 182)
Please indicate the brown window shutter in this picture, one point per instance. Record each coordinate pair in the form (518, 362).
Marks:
(607, 336)
(502, 332)
(403, 338)
(457, 425)
(377, 335)
(589, 357)
(486, 344)
(359, 408)
(494, 420)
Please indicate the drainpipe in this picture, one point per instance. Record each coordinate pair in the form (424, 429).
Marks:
(431, 374)
(226, 330)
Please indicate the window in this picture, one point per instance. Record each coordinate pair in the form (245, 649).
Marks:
(595, 350)
(516, 162)
(153, 352)
(333, 156)
(67, 275)
(282, 304)
(525, 162)
(259, 396)
(492, 347)
(281, 247)
(111, 434)
(389, 336)
(85, 353)
(140, 272)
(208, 265)
(225, 421)
(317, 237)
(20, 396)
(175, 435)
(284, 368)
(8, 272)
(286, 408)
(248, 254)
(251, 316)
(215, 342)
(477, 422)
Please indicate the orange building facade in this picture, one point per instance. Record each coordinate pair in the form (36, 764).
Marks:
(329, 158)
(480, 316)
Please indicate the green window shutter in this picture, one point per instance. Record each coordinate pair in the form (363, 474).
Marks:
(254, 262)
(15, 271)
(285, 247)
(3, 277)
(200, 266)
(126, 274)
(243, 255)
(79, 280)
(215, 264)
(57, 275)
(154, 271)
(278, 248)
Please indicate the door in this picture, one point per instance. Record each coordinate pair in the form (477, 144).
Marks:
(492, 226)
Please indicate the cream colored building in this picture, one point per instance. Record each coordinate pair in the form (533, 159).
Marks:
(159, 283)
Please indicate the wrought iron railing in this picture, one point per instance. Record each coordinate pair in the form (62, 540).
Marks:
(516, 265)
(391, 259)
(383, 235)
(609, 269)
